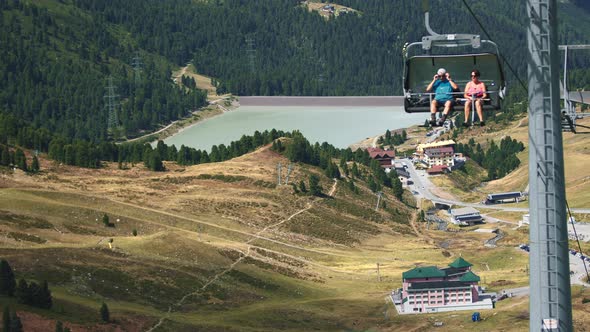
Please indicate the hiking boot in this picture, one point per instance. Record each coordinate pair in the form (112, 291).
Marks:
(466, 124)
(482, 123)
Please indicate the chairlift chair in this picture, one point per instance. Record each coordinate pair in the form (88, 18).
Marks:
(569, 115)
(459, 54)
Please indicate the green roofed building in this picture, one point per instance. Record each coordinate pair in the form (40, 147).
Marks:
(460, 263)
(433, 289)
(424, 272)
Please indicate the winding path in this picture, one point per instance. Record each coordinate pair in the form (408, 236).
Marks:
(236, 262)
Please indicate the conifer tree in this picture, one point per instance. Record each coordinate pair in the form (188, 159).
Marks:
(7, 280)
(355, 170)
(35, 165)
(22, 292)
(302, 186)
(104, 312)
(6, 319)
(105, 220)
(20, 159)
(34, 294)
(45, 300)
(5, 156)
(15, 323)
(314, 185)
(398, 190)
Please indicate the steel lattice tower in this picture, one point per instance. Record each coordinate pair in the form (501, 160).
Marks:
(251, 53)
(550, 293)
(137, 68)
(111, 103)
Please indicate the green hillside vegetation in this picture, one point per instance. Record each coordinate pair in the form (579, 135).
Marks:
(58, 55)
(56, 60)
(226, 248)
(191, 225)
(211, 241)
(474, 183)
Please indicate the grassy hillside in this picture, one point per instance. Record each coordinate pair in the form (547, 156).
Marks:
(220, 246)
(218, 243)
(472, 188)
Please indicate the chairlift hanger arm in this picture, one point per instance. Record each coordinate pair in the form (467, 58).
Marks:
(574, 47)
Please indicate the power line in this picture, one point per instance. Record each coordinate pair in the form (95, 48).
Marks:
(489, 37)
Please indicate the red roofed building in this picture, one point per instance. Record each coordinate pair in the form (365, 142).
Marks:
(384, 157)
(437, 169)
(443, 155)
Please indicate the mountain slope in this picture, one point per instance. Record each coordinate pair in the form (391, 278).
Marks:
(210, 238)
(58, 55)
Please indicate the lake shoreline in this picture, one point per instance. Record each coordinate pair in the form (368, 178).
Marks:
(207, 112)
(357, 118)
(352, 101)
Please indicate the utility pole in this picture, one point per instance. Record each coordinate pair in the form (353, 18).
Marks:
(550, 293)
(111, 107)
(379, 193)
(137, 68)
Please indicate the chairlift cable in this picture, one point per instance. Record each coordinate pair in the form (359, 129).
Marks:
(577, 240)
(579, 125)
(489, 37)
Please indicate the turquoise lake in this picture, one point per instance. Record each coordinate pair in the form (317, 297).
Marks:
(337, 125)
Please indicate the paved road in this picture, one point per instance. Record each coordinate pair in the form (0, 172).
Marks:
(423, 186)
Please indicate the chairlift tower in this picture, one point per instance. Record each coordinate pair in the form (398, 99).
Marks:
(550, 293)
(111, 103)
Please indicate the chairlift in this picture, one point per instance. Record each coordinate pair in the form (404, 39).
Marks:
(572, 98)
(459, 54)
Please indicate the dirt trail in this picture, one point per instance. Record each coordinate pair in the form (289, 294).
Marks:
(417, 231)
(229, 268)
(333, 189)
(198, 221)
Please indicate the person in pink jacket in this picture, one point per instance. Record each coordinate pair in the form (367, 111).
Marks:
(475, 90)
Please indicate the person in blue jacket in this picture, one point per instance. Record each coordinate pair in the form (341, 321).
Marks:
(443, 86)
